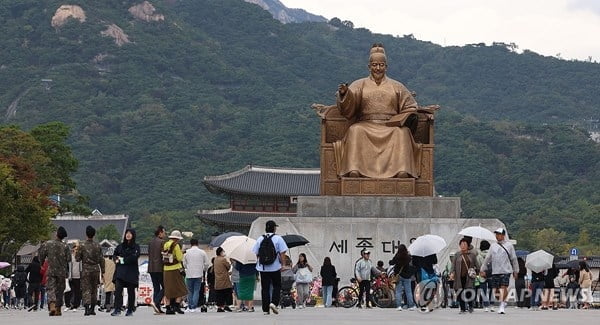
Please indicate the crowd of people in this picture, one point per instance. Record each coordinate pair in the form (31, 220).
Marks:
(187, 281)
(478, 277)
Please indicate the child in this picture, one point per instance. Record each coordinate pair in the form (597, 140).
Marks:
(572, 291)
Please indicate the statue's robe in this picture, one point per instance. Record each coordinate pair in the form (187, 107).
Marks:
(378, 144)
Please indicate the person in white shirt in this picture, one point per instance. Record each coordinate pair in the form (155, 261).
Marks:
(195, 261)
(503, 260)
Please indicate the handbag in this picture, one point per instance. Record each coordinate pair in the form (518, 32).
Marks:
(168, 258)
(303, 275)
(395, 277)
(471, 270)
(67, 286)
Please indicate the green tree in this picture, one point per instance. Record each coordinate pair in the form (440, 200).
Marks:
(109, 232)
(26, 183)
(24, 204)
(53, 137)
(551, 240)
(585, 245)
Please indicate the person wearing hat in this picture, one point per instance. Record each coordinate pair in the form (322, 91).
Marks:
(363, 270)
(89, 255)
(58, 255)
(175, 287)
(379, 143)
(503, 260)
(270, 275)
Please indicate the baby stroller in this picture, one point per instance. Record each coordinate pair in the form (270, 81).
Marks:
(287, 283)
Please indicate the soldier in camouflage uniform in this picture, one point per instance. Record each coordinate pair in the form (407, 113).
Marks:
(58, 255)
(90, 254)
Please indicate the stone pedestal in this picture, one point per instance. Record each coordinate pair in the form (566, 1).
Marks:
(340, 227)
(379, 207)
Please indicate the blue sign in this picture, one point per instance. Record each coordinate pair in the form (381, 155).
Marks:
(574, 251)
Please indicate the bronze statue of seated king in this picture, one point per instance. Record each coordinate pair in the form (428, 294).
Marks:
(376, 140)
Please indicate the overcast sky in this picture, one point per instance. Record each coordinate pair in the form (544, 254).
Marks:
(569, 28)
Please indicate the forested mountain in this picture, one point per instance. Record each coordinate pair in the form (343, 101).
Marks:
(159, 94)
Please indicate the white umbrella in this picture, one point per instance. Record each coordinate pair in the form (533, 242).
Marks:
(479, 233)
(239, 248)
(539, 261)
(427, 245)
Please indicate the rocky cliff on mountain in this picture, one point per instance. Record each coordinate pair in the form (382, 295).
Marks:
(285, 14)
(117, 33)
(145, 11)
(65, 12)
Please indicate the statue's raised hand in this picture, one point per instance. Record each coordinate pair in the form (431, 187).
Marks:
(343, 89)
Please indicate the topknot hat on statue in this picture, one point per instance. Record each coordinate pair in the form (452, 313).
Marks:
(377, 50)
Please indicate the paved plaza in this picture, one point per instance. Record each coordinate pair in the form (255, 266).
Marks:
(313, 316)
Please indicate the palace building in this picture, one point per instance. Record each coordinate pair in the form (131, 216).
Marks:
(255, 191)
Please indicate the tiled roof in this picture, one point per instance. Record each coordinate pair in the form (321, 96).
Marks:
(235, 218)
(592, 261)
(266, 181)
(75, 225)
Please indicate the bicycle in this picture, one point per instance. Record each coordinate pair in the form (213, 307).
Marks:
(382, 292)
(347, 296)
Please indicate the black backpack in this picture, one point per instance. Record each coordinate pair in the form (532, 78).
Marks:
(20, 278)
(266, 252)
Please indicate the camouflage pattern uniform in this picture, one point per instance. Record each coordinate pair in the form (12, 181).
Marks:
(90, 254)
(58, 255)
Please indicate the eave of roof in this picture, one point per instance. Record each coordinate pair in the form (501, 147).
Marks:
(75, 225)
(274, 181)
(237, 218)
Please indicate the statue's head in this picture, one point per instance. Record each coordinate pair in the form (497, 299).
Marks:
(377, 62)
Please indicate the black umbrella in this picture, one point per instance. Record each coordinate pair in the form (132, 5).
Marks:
(574, 264)
(217, 241)
(294, 240)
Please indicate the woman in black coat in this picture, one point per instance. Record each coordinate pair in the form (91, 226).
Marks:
(328, 279)
(126, 273)
(35, 278)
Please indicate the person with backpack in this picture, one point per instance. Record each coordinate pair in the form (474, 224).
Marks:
(20, 286)
(270, 250)
(427, 279)
(175, 288)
